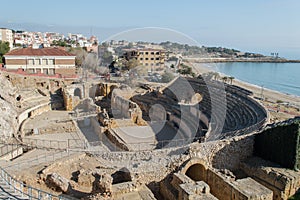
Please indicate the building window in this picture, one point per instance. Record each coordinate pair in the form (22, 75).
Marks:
(157, 53)
(51, 62)
(152, 58)
(51, 71)
(37, 61)
(152, 53)
(146, 58)
(146, 53)
(141, 53)
(157, 59)
(44, 61)
(141, 58)
(30, 62)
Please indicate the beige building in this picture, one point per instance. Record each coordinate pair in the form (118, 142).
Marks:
(153, 58)
(6, 35)
(49, 61)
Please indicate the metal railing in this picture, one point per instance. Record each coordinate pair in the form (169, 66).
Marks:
(26, 191)
(50, 144)
(80, 144)
(51, 157)
(8, 149)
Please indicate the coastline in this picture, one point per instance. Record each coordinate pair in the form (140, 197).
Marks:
(271, 97)
(253, 60)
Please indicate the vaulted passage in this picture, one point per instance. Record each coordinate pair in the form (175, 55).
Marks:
(77, 92)
(196, 172)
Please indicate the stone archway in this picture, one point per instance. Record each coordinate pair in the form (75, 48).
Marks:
(77, 93)
(195, 169)
(196, 172)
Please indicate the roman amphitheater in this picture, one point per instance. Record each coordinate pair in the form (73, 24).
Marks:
(193, 138)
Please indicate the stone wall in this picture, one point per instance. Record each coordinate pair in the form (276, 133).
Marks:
(280, 143)
(34, 111)
(212, 184)
(224, 154)
(236, 189)
(70, 96)
(283, 182)
(105, 89)
(65, 71)
(124, 108)
(34, 82)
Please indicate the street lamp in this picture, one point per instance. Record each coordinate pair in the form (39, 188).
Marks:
(262, 92)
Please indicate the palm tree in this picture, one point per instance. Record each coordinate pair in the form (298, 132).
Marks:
(231, 79)
(225, 78)
(216, 75)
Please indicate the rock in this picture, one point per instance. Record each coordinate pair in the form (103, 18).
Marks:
(86, 179)
(58, 182)
(103, 183)
(8, 120)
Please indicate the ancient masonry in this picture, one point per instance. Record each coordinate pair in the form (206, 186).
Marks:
(194, 138)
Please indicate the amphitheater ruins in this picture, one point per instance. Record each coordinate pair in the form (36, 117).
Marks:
(194, 138)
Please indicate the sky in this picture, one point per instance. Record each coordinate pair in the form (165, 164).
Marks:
(262, 26)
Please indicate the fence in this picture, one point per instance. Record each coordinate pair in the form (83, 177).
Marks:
(50, 144)
(10, 150)
(105, 144)
(26, 191)
(51, 157)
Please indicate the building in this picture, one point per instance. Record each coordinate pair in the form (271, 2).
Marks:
(49, 61)
(153, 58)
(7, 36)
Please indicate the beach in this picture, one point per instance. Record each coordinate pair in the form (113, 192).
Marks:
(280, 106)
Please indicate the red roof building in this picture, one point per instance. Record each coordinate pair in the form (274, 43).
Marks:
(49, 61)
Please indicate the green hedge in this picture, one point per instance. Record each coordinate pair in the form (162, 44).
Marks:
(279, 144)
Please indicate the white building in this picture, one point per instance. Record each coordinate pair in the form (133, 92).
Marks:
(7, 36)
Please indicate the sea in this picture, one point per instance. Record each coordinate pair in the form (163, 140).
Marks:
(282, 77)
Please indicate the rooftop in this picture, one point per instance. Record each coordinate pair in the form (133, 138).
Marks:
(39, 52)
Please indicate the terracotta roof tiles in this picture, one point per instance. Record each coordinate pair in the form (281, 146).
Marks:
(49, 51)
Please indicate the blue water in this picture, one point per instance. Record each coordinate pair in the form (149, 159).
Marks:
(282, 77)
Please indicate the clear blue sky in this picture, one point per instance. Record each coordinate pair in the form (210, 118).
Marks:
(256, 25)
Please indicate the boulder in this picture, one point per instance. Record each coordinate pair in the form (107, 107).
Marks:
(58, 182)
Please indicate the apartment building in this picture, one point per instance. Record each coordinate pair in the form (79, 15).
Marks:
(153, 58)
(7, 36)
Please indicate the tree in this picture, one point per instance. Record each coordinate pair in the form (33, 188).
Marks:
(107, 57)
(132, 63)
(167, 77)
(216, 75)
(185, 70)
(60, 42)
(225, 78)
(231, 79)
(80, 55)
(91, 62)
(4, 48)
